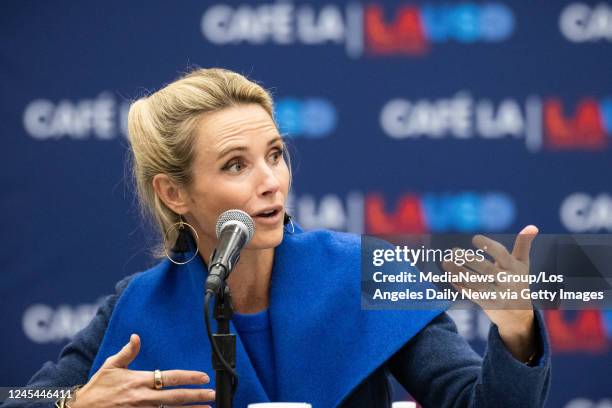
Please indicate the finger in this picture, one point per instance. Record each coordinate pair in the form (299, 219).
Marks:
(522, 244)
(453, 267)
(495, 249)
(172, 378)
(478, 284)
(126, 355)
(481, 287)
(484, 267)
(179, 396)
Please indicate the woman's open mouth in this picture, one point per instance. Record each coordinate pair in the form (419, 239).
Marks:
(271, 215)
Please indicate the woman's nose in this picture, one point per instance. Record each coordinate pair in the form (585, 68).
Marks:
(268, 181)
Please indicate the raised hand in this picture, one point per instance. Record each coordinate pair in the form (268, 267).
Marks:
(514, 318)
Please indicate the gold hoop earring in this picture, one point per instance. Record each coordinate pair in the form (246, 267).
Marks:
(181, 244)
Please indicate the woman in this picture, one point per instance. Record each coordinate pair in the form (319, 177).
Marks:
(207, 143)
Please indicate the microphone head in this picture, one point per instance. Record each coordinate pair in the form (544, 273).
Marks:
(239, 218)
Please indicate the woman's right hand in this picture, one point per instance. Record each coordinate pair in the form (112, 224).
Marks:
(116, 386)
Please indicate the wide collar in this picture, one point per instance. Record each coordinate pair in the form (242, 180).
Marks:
(325, 345)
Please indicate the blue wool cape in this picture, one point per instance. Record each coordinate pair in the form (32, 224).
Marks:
(324, 344)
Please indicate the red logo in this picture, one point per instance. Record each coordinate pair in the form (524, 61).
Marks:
(585, 130)
(402, 36)
(583, 332)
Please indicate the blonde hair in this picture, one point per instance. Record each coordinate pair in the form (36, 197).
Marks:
(161, 132)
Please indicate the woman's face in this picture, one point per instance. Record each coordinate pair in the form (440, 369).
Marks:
(239, 164)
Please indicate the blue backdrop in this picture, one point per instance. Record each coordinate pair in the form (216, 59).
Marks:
(403, 117)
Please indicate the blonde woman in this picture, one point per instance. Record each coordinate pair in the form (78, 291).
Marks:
(207, 143)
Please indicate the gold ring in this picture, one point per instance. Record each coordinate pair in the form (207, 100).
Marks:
(158, 382)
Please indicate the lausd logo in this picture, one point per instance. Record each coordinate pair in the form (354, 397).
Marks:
(308, 118)
(541, 123)
(414, 28)
(433, 212)
(410, 213)
(410, 30)
(580, 23)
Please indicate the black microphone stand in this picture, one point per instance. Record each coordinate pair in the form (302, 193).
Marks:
(226, 342)
(234, 230)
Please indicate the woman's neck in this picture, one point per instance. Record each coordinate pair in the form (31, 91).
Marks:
(249, 282)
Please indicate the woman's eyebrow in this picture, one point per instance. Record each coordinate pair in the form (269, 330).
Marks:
(231, 149)
(276, 139)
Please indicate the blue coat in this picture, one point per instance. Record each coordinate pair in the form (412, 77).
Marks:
(330, 353)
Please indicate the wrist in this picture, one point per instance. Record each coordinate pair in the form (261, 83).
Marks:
(517, 324)
(70, 400)
(519, 336)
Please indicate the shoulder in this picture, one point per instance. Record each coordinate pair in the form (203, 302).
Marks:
(329, 240)
(138, 287)
(144, 278)
(344, 244)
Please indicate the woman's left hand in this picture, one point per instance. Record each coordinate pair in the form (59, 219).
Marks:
(514, 318)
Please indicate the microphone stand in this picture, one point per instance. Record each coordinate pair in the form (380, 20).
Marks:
(226, 342)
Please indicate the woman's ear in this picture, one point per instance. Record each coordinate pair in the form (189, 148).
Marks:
(171, 193)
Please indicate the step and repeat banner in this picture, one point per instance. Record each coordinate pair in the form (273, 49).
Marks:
(402, 117)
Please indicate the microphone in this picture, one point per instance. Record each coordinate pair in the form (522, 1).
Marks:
(234, 230)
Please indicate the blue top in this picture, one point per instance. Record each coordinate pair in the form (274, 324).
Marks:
(340, 358)
(256, 333)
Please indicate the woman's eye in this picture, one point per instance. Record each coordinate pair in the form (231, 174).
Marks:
(276, 155)
(234, 167)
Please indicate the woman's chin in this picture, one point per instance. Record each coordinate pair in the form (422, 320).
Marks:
(267, 239)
